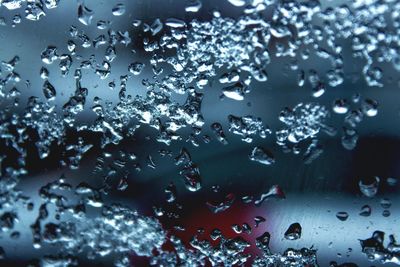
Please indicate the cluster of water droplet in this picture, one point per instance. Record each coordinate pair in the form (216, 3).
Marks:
(34, 10)
(247, 126)
(375, 249)
(190, 171)
(302, 122)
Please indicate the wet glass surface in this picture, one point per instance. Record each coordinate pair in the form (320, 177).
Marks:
(199, 133)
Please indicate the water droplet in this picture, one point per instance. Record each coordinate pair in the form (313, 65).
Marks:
(258, 220)
(349, 138)
(370, 107)
(12, 4)
(262, 242)
(237, 3)
(293, 232)
(193, 6)
(391, 181)
(175, 23)
(44, 73)
(386, 213)
(246, 228)
(217, 129)
(50, 4)
(340, 106)
(103, 24)
(318, 90)
(247, 127)
(274, 192)
(237, 228)
(385, 203)
(369, 186)
(222, 206)
(85, 15)
(8, 221)
(342, 215)
(49, 91)
(170, 192)
(192, 178)
(156, 27)
(136, 68)
(34, 11)
(118, 9)
(262, 156)
(365, 211)
(230, 77)
(49, 55)
(235, 92)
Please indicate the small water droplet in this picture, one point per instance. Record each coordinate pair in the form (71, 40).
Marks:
(118, 9)
(293, 232)
(262, 156)
(365, 211)
(342, 215)
(85, 15)
(369, 186)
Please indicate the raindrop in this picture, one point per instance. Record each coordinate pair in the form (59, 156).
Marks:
(369, 186)
(103, 24)
(12, 4)
(258, 220)
(262, 242)
(49, 55)
(342, 215)
(156, 27)
(85, 15)
(365, 211)
(170, 192)
(293, 232)
(237, 228)
(193, 6)
(274, 192)
(118, 9)
(219, 132)
(385, 203)
(235, 92)
(391, 181)
(222, 206)
(175, 23)
(340, 106)
(136, 68)
(44, 73)
(370, 107)
(386, 213)
(262, 156)
(49, 91)
(318, 90)
(34, 11)
(51, 3)
(237, 3)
